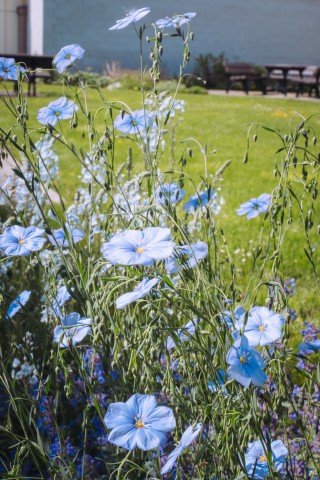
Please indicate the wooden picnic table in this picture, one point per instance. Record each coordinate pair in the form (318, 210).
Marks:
(284, 69)
(37, 65)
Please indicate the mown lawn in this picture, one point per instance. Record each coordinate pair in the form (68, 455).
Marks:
(219, 122)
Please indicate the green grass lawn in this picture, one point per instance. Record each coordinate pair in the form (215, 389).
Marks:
(220, 122)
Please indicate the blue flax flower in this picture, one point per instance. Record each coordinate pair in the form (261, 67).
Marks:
(66, 56)
(169, 192)
(139, 292)
(253, 207)
(228, 317)
(62, 297)
(9, 70)
(245, 363)
(139, 423)
(19, 241)
(310, 346)
(134, 123)
(18, 303)
(139, 247)
(191, 254)
(132, 17)
(60, 109)
(257, 462)
(218, 383)
(263, 326)
(72, 330)
(176, 21)
(184, 333)
(198, 200)
(187, 438)
(59, 237)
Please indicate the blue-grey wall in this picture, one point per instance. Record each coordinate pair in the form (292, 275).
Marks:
(259, 31)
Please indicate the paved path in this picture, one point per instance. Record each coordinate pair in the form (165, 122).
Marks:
(6, 170)
(255, 94)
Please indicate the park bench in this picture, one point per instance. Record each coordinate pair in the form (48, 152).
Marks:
(309, 78)
(244, 73)
(38, 66)
(278, 75)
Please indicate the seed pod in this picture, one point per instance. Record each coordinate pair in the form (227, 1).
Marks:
(304, 133)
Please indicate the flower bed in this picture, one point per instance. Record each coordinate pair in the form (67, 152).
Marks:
(130, 349)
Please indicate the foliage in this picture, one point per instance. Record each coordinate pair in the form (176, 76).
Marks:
(89, 77)
(210, 69)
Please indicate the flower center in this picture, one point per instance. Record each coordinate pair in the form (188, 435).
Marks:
(133, 123)
(139, 250)
(68, 56)
(139, 424)
(242, 360)
(263, 458)
(21, 242)
(262, 328)
(57, 113)
(6, 69)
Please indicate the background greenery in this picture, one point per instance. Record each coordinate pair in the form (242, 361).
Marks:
(221, 122)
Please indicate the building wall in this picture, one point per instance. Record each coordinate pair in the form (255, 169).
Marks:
(9, 26)
(35, 27)
(259, 31)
